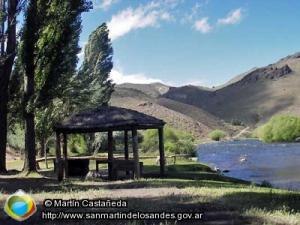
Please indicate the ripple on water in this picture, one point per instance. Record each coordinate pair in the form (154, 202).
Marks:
(277, 163)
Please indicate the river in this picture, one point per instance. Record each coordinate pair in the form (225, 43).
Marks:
(252, 160)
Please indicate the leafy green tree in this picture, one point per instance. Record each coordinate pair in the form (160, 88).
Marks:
(93, 75)
(8, 44)
(56, 93)
(29, 37)
(58, 48)
(96, 67)
(176, 142)
(280, 128)
(49, 59)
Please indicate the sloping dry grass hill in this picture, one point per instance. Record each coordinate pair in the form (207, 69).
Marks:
(147, 99)
(252, 98)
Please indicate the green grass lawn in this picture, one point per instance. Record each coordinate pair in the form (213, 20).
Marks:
(188, 186)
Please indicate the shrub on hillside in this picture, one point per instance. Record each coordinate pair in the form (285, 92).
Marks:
(217, 135)
(280, 128)
(176, 142)
(236, 122)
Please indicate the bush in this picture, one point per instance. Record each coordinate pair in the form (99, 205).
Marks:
(280, 128)
(77, 144)
(236, 122)
(150, 142)
(176, 142)
(266, 183)
(217, 135)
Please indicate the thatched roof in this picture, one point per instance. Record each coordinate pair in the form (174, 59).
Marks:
(107, 118)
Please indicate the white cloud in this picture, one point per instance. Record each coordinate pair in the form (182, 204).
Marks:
(232, 18)
(167, 16)
(80, 55)
(193, 13)
(103, 4)
(203, 25)
(119, 78)
(149, 15)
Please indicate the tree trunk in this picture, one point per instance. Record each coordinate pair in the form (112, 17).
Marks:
(42, 148)
(30, 158)
(3, 123)
(2, 30)
(29, 43)
(6, 64)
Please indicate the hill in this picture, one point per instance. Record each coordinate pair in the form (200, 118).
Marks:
(153, 90)
(250, 98)
(147, 99)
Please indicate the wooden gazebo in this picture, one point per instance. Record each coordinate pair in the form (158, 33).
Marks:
(109, 119)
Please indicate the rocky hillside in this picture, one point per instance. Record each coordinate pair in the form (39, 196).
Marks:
(178, 115)
(251, 98)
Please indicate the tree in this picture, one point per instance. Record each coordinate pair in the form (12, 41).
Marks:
(55, 57)
(28, 58)
(8, 44)
(97, 66)
(94, 73)
(280, 128)
(59, 37)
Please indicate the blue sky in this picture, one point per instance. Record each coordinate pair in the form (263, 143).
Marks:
(200, 42)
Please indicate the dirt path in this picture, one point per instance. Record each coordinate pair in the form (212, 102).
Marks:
(242, 132)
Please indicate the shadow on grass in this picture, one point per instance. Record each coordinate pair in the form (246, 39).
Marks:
(271, 200)
(179, 175)
(9, 185)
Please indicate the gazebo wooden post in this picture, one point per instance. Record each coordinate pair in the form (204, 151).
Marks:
(57, 152)
(161, 151)
(126, 152)
(58, 166)
(65, 153)
(46, 158)
(110, 155)
(137, 172)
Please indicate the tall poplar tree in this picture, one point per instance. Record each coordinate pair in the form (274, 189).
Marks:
(59, 37)
(97, 65)
(29, 37)
(94, 74)
(49, 58)
(8, 45)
